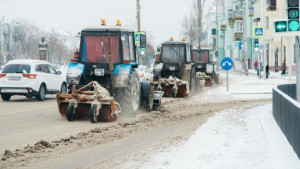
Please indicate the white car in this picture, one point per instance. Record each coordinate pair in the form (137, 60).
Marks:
(145, 73)
(30, 78)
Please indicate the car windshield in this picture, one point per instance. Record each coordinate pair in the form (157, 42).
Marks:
(96, 49)
(16, 68)
(170, 54)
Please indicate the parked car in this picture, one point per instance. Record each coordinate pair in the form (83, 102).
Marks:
(30, 78)
(145, 73)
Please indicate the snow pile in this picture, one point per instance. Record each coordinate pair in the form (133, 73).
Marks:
(243, 87)
(238, 138)
(233, 139)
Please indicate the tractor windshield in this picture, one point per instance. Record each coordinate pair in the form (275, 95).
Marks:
(196, 56)
(170, 54)
(95, 49)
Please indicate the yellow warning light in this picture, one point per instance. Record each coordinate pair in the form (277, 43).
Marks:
(118, 23)
(171, 39)
(103, 22)
(183, 39)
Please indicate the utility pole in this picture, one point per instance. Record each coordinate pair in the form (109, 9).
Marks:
(264, 40)
(245, 36)
(138, 15)
(199, 20)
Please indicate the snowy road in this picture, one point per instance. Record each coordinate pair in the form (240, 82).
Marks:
(240, 133)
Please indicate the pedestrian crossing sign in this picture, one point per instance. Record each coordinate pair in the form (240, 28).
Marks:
(258, 31)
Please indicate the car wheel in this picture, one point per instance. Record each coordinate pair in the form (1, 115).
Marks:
(42, 93)
(64, 88)
(5, 97)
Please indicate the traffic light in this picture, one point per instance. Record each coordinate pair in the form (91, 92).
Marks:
(293, 15)
(142, 51)
(213, 31)
(256, 44)
(280, 26)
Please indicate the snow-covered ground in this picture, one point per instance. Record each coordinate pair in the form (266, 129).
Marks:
(238, 138)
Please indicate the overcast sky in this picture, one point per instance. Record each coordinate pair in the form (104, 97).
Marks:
(159, 18)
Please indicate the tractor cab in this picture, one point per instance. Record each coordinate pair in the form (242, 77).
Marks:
(104, 66)
(173, 57)
(174, 72)
(106, 55)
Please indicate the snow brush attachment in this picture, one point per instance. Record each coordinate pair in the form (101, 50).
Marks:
(172, 87)
(91, 101)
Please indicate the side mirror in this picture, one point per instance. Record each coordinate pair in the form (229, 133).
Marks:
(158, 49)
(143, 41)
(157, 58)
(58, 73)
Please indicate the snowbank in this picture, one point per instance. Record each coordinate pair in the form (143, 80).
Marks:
(238, 138)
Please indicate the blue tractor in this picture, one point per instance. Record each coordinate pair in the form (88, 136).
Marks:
(108, 56)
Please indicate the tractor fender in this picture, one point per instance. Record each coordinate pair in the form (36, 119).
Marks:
(121, 74)
(121, 69)
(74, 73)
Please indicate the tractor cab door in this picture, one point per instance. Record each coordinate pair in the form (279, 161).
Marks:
(128, 48)
(188, 54)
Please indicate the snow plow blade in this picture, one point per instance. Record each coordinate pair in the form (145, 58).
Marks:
(172, 87)
(91, 101)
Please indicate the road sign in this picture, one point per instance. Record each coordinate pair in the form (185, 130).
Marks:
(137, 36)
(241, 46)
(226, 63)
(258, 32)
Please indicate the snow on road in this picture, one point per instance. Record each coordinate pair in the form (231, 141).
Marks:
(238, 138)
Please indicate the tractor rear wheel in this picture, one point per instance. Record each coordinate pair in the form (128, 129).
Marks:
(129, 97)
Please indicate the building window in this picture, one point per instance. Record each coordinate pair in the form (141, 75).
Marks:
(238, 26)
(271, 5)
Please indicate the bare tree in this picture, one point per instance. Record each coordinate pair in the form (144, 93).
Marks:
(190, 28)
(192, 25)
(58, 52)
(25, 35)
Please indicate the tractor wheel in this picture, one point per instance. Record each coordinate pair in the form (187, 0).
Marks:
(42, 93)
(93, 114)
(5, 97)
(129, 97)
(147, 96)
(70, 112)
